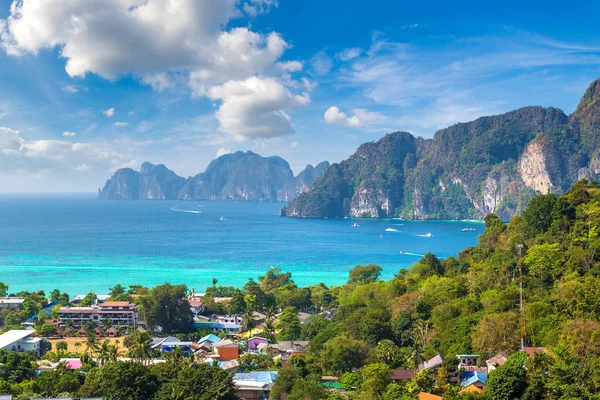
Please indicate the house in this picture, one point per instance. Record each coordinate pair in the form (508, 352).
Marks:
(400, 375)
(288, 348)
(254, 342)
(467, 360)
(254, 385)
(17, 340)
(478, 379)
(497, 361)
(471, 389)
(11, 303)
(99, 297)
(227, 350)
(230, 324)
(533, 350)
(258, 318)
(433, 363)
(427, 396)
(121, 312)
(170, 343)
(112, 332)
(196, 306)
(210, 338)
(303, 316)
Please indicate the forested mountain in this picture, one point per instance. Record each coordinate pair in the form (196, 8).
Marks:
(494, 164)
(237, 176)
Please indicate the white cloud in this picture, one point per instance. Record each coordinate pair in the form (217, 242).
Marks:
(222, 151)
(69, 134)
(349, 54)
(2, 115)
(109, 113)
(370, 118)
(320, 63)
(160, 81)
(294, 145)
(333, 115)
(255, 108)
(70, 89)
(256, 7)
(121, 123)
(55, 156)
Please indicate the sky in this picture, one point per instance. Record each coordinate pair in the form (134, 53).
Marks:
(87, 87)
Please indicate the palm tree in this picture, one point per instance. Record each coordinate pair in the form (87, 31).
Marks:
(248, 322)
(77, 345)
(269, 330)
(91, 343)
(106, 323)
(139, 345)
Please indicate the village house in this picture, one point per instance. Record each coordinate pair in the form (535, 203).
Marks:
(286, 349)
(478, 379)
(467, 360)
(433, 363)
(11, 303)
(117, 312)
(20, 340)
(255, 341)
(402, 375)
(230, 324)
(497, 361)
(227, 350)
(254, 385)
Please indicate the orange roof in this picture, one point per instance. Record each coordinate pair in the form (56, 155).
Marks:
(427, 396)
(116, 304)
(472, 388)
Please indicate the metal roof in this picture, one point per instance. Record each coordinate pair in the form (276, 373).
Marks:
(12, 336)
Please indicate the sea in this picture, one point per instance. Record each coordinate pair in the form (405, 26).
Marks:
(77, 243)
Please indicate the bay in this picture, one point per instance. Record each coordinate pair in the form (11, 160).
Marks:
(78, 244)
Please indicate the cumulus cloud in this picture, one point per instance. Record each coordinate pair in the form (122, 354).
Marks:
(255, 108)
(53, 156)
(333, 115)
(69, 134)
(109, 113)
(70, 89)
(165, 43)
(222, 151)
(121, 123)
(349, 54)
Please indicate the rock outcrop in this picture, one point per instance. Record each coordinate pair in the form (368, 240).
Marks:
(494, 164)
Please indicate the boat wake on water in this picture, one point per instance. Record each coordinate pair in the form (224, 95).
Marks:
(406, 253)
(185, 211)
(391, 230)
(427, 235)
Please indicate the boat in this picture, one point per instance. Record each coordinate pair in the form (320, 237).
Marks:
(467, 230)
(391, 230)
(402, 252)
(355, 225)
(222, 219)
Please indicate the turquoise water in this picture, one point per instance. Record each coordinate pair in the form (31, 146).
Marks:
(77, 243)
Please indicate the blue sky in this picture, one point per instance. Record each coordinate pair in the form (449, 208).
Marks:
(89, 87)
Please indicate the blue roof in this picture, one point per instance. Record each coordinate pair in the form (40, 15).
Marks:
(210, 338)
(216, 325)
(258, 376)
(470, 377)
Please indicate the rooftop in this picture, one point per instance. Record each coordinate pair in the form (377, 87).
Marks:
(12, 336)
(116, 304)
(11, 300)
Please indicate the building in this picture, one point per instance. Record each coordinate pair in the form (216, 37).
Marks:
(467, 360)
(16, 340)
(227, 350)
(497, 361)
(255, 341)
(99, 297)
(11, 303)
(230, 324)
(254, 385)
(433, 363)
(427, 396)
(118, 312)
(478, 379)
(401, 375)
(531, 351)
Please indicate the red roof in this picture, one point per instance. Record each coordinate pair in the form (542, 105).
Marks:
(116, 304)
(532, 350)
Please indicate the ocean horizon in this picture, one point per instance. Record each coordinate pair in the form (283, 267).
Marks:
(77, 243)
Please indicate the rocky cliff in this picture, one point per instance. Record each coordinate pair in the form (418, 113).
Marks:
(494, 164)
(154, 182)
(237, 176)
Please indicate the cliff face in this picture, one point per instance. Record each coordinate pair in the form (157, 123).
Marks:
(154, 182)
(491, 165)
(238, 176)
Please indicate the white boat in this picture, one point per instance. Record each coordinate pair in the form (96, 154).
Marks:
(355, 225)
(467, 230)
(391, 230)
(222, 219)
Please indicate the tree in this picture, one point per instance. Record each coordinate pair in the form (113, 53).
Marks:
(47, 330)
(116, 290)
(138, 344)
(121, 381)
(509, 381)
(3, 289)
(538, 214)
(248, 322)
(376, 377)
(365, 273)
(288, 325)
(62, 346)
(274, 279)
(497, 333)
(237, 305)
(166, 306)
(351, 380)
(89, 300)
(388, 353)
(342, 354)
(199, 382)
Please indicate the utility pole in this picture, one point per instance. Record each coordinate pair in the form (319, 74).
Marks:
(521, 312)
